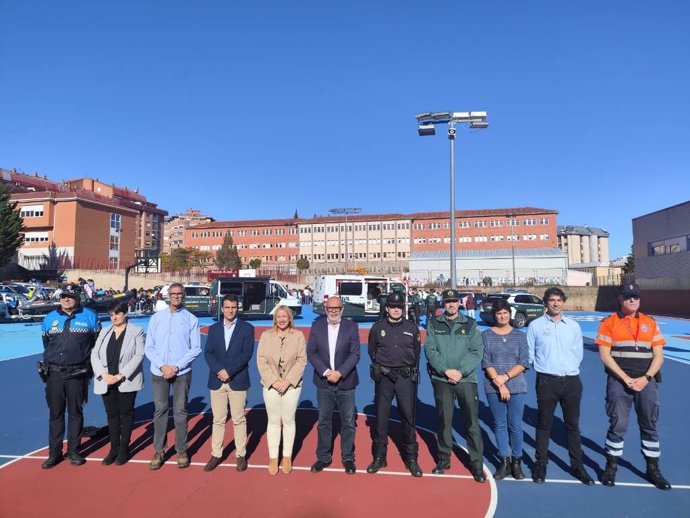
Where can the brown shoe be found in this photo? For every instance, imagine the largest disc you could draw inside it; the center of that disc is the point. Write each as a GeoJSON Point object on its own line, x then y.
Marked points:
{"type": "Point", "coordinates": [157, 461]}
{"type": "Point", "coordinates": [287, 465]}
{"type": "Point", "coordinates": [273, 466]}
{"type": "Point", "coordinates": [182, 460]}
{"type": "Point", "coordinates": [241, 464]}
{"type": "Point", "coordinates": [212, 464]}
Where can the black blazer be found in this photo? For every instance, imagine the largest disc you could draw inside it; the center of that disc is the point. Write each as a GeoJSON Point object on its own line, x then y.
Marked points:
{"type": "Point", "coordinates": [346, 352]}
{"type": "Point", "coordinates": [235, 360]}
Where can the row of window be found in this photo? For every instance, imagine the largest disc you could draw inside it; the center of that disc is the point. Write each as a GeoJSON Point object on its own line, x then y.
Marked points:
{"type": "Point", "coordinates": [480, 239]}
{"type": "Point", "coordinates": [360, 256]}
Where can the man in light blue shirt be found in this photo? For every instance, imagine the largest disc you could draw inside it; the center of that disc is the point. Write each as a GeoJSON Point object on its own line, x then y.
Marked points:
{"type": "Point", "coordinates": [172, 344]}
{"type": "Point", "coordinates": [555, 350]}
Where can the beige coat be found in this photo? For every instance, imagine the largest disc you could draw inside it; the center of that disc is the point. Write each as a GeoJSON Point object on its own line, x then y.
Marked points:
{"type": "Point", "coordinates": [294, 356]}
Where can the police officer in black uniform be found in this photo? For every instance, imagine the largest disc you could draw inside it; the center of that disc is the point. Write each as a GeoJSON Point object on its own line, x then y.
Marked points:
{"type": "Point", "coordinates": [69, 334]}
{"type": "Point", "coordinates": [394, 347]}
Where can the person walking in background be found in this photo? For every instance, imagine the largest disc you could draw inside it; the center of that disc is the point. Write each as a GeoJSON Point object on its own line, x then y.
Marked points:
{"type": "Point", "coordinates": [631, 349]}
{"type": "Point", "coordinates": [506, 357]}
{"type": "Point", "coordinates": [228, 351]}
{"type": "Point", "coordinates": [117, 361]}
{"type": "Point", "coordinates": [333, 351]}
{"type": "Point", "coordinates": [172, 344]}
{"type": "Point", "coordinates": [281, 358]}
{"type": "Point", "coordinates": [555, 350]}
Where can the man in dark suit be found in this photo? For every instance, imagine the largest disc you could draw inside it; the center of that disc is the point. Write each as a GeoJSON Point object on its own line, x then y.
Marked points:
{"type": "Point", "coordinates": [333, 351]}
{"type": "Point", "coordinates": [229, 349]}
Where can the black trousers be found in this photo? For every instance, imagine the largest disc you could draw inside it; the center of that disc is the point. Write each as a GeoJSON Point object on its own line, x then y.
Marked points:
{"type": "Point", "coordinates": [119, 407]}
{"type": "Point", "coordinates": [552, 390]}
{"type": "Point", "coordinates": [405, 392]}
{"type": "Point", "coordinates": [61, 394]}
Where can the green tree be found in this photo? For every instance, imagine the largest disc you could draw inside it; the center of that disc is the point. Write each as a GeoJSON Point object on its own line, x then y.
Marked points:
{"type": "Point", "coordinates": [302, 263]}
{"type": "Point", "coordinates": [629, 266]}
{"type": "Point", "coordinates": [227, 257]}
{"type": "Point", "coordinates": [11, 227]}
{"type": "Point", "coordinates": [296, 216]}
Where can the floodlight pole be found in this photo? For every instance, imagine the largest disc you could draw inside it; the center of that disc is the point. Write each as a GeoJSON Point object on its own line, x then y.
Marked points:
{"type": "Point", "coordinates": [511, 221]}
{"type": "Point", "coordinates": [451, 138]}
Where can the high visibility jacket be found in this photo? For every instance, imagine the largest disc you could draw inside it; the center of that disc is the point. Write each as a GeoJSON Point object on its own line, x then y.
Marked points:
{"type": "Point", "coordinates": [631, 340]}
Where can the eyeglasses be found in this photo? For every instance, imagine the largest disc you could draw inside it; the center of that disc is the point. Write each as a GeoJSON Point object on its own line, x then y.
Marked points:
{"type": "Point", "coordinates": [395, 306]}
{"type": "Point", "coordinates": [333, 309]}
{"type": "Point", "coordinates": [632, 297]}
{"type": "Point", "coordinates": [175, 294]}
{"type": "Point", "coordinates": [65, 296]}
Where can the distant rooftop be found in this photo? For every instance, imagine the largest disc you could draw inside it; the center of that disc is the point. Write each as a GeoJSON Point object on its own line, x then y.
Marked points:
{"type": "Point", "coordinates": [581, 230]}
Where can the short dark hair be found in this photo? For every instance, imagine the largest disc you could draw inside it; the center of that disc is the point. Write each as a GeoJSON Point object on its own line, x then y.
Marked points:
{"type": "Point", "coordinates": [230, 298]}
{"type": "Point", "coordinates": [119, 306]}
{"type": "Point", "coordinates": [554, 291]}
{"type": "Point", "coordinates": [499, 305]}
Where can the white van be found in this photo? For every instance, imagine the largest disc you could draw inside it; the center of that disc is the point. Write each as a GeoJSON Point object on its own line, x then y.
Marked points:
{"type": "Point", "coordinates": [359, 293]}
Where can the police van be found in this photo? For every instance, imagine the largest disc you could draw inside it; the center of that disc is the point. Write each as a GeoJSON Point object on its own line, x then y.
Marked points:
{"type": "Point", "coordinates": [257, 296]}
{"type": "Point", "coordinates": [361, 294]}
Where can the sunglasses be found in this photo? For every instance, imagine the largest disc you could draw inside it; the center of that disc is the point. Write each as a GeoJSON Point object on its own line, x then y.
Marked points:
{"type": "Point", "coordinates": [632, 297]}
{"type": "Point", "coordinates": [395, 306]}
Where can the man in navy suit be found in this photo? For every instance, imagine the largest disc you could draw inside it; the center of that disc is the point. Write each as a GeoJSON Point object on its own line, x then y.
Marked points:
{"type": "Point", "coordinates": [333, 351]}
{"type": "Point", "coordinates": [229, 349]}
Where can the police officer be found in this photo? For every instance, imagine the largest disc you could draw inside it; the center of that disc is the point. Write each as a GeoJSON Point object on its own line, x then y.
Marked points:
{"type": "Point", "coordinates": [394, 348]}
{"type": "Point", "coordinates": [69, 334]}
{"type": "Point", "coordinates": [431, 301]}
{"type": "Point", "coordinates": [631, 349]}
{"type": "Point", "coordinates": [414, 302]}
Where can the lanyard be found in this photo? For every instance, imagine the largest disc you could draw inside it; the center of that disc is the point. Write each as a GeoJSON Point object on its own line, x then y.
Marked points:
{"type": "Point", "coordinates": [626, 321]}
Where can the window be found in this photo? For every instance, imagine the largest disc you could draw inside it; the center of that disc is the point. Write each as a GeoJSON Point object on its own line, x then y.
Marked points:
{"type": "Point", "coordinates": [669, 246]}
{"type": "Point", "coordinates": [31, 211]}
{"type": "Point", "coordinates": [464, 224]}
{"type": "Point", "coordinates": [114, 243]}
{"type": "Point", "coordinates": [115, 222]}
{"type": "Point", "coordinates": [544, 221]}
{"type": "Point", "coordinates": [530, 222]}
{"type": "Point", "coordinates": [480, 224]}
{"type": "Point", "coordinates": [36, 237]}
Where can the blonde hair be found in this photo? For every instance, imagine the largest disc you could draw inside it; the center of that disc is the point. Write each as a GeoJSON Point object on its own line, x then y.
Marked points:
{"type": "Point", "coordinates": [288, 311]}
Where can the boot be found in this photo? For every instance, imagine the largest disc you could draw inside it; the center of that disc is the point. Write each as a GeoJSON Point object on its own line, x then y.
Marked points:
{"type": "Point", "coordinates": [654, 475]}
{"type": "Point", "coordinates": [608, 478]}
{"type": "Point", "coordinates": [516, 468]}
{"type": "Point", "coordinates": [503, 469]}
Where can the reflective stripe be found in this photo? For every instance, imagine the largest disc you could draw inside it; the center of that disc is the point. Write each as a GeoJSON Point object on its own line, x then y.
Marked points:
{"type": "Point", "coordinates": [631, 343]}
{"type": "Point", "coordinates": [652, 454]}
{"type": "Point", "coordinates": [617, 453]}
{"type": "Point", "coordinates": [626, 354]}
{"type": "Point", "coordinates": [650, 444]}
{"type": "Point", "coordinates": [604, 338]}
{"type": "Point", "coordinates": [617, 445]}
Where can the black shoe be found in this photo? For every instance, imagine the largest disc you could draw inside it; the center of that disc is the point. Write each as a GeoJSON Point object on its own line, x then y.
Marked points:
{"type": "Point", "coordinates": [75, 459]}
{"type": "Point", "coordinates": [241, 464]}
{"type": "Point", "coordinates": [441, 466]}
{"type": "Point", "coordinates": [478, 475]}
{"type": "Point", "coordinates": [212, 463]}
{"type": "Point", "coordinates": [608, 478]}
{"type": "Point", "coordinates": [503, 469]}
{"type": "Point", "coordinates": [377, 464]}
{"type": "Point", "coordinates": [110, 458]}
{"type": "Point", "coordinates": [539, 473]}
{"type": "Point", "coordinates": [350, 467]}
{"type": "Point", "coordinates": [122, 458]}
{"type": "Point", "coordinates": [413, 468]}
{"type": "Point", "coordinates": [52, 461]}
{"type": "Point", "coordinates": [319, 466]}
{"type": "Point", "coordinates": [580, 474]}
{"type": "Point", "coordinates": [516, 468]}
{"type": "Point", "coordinates": [654, 474]}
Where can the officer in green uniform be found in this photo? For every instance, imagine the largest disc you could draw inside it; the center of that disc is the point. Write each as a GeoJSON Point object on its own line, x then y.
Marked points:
{"type": "Point", "coordinates": [430, 306]}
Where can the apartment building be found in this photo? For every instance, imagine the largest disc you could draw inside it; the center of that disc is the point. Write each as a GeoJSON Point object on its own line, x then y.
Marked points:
{"type": "Point", "coordinates": [173, 228]}
{"type": "Point", "coordinates": [584, 246]}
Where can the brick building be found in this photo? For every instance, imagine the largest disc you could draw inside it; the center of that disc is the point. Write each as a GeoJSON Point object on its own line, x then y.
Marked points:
{"type": "Point", "coordinates": [173, 228]}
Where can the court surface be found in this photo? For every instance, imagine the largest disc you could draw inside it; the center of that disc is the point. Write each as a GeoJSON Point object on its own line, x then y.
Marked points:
{"type": "Point", "coordinates": [133, 490]}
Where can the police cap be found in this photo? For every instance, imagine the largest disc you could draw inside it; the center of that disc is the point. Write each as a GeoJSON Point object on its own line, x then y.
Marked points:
{"type": "Point", "coordinates": [395, 299]}
{"type": "Point", "coordinates": [450, 295]}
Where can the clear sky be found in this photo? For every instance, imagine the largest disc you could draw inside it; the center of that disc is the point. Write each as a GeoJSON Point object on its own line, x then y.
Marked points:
{"type": "Point", "coordinates": [248, 109]}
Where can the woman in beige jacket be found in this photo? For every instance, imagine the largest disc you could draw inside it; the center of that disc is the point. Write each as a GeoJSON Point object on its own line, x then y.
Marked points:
{"type": "Point", "coordinates": [281, 358]}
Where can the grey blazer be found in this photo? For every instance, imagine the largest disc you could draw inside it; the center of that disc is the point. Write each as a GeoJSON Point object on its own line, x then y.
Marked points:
{"type": "Point", "coordinates": [131, 359]}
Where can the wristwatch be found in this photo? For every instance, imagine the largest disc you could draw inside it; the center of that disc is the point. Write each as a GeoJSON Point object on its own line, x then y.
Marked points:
{"type": "Point", "coordinates": [649, 378]}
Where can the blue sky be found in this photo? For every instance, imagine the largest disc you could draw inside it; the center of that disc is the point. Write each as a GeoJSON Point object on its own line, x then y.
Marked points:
{"type": "Point", "coordinates": [254, 109]}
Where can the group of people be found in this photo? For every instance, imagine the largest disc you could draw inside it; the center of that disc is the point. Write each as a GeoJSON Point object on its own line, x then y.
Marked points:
{"type": "Point", "coordinates": [457, 354]}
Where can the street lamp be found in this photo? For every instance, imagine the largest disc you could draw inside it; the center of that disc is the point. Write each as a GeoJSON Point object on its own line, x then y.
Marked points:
{"type": "Point", "coordinates": [347, 211]}
{"type": "Point", "coordinates": [511, 222]}
{"type": "Point", "coordinates": [426, 126]}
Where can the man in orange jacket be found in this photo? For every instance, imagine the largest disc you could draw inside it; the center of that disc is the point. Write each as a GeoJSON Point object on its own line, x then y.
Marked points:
{"type": "Point", "coordinates": [631, 348]}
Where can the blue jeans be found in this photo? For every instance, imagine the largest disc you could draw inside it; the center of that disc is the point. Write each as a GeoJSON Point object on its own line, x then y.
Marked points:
{"type": "Point", "coordinates": [326, 399]}
{"type": "Point", "coordinates": [507, 423]}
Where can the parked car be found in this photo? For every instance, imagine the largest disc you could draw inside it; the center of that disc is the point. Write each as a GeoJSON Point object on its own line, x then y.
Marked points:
{"type": "Point", "coordinates": [524, 307]}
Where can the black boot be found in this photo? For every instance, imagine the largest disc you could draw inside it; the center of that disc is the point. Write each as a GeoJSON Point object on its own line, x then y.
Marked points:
{"type": "Point", "coordinates": [608, 478]}
{"type": "Point", "coordinates": [654, 475]}
{"type": "Point", "coordinates": [503, 469]}
{"type": "Point", "coordinates": [516, 468]}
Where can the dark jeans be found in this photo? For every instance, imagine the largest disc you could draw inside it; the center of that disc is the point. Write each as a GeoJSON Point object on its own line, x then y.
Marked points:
{"type": "Point", "coordinates": [119, 407]}
{"type": "Point", "coordinates": [405, 392]}
{"type": "Point", "coordinates": [466, 394]}
{"type": "Point", "coordinates": [552, 390]}
{"type": "Point", "coordinates": [161, 393]}
{"type": "Point", "coordinates": [619, 401]}
{"type": "Point", "coordinates": [326, 399]}
{"type": "Point", "coordinates": [64, 394]}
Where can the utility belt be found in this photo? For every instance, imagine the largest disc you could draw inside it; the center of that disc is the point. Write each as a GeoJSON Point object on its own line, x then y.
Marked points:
{"type": "Point", "coordinates": [378, 371]}
{"type": "Point", "coordinates": [68, 371]}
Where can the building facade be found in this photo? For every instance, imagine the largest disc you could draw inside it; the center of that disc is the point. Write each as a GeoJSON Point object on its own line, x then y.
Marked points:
{"type": "Point", "coordinates": [584, 246]}
{"type": "Point", "coordinates": [173, 228]}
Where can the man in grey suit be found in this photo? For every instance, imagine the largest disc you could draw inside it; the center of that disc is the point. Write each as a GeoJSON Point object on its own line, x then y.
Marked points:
{"type": "Point", "coordinates": [333, 351]}
{"type": "Point", "coordinates": [228, 350]}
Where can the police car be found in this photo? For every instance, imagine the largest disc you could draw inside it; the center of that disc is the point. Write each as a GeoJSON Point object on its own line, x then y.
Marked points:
{"type": "Point", "coordinates": [524, 307]}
